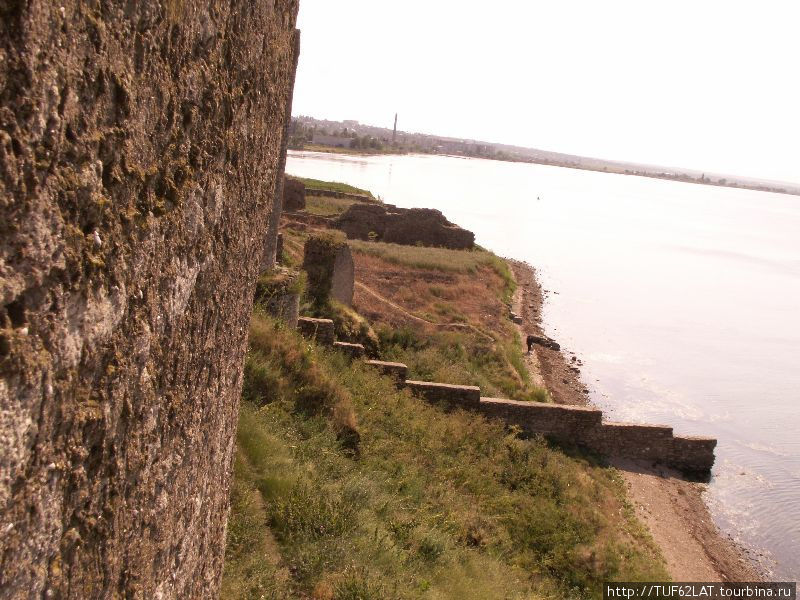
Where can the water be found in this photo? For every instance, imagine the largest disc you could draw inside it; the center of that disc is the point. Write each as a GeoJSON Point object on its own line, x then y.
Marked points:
{"type": "Point", "coordinates": [682, 300]}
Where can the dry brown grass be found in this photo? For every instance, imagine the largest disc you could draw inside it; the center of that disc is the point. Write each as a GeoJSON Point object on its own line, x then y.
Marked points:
{"type": "Point", "coordinates": [437, 296]}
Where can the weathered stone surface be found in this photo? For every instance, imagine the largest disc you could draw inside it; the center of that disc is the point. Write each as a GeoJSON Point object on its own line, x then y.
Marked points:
{"type": "Point", "coordinates": [395, 369]}
{"type": "Point", "coordinates": [584, 426]}
{"type": "Point", "coordinates": [279, 249]}
{"type": "Point", "coordinates": [408, 226]}
{"type": "Point", "coordinates": [463, 396]}
{"type": "Point", "coordinates": [344, 273]}
{"type": "Point", "coordinates": [354, 350]}
{"type": "Point", "coordinates": [329, 264]}
{"type": "Point", "coordinates": [270, 256]}
{"type": "Point", "coordinates": [320, 330]}
{"type": "Point", "coordinates": [279, 293]}
{"type": "Point", "coordinates": [139, 147]}
{"type": "Point", "coordinates": [294, 194]}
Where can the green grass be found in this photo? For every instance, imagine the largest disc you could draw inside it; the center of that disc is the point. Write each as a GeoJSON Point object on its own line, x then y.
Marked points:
{"type": "Point", "coordinates": [326, 206]}
{"type": "Point", "coordinates": [463, 358]}
{"type": "Point", "coordinates": [426, 504]}
{"type": "Point", "coordinates": [318, 184]}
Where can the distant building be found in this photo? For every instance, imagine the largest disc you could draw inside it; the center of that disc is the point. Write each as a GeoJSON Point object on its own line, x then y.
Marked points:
{"type": "Point", "coordinates": [332, 140]}
{"type": "Point", "coordinates": [350, 123]}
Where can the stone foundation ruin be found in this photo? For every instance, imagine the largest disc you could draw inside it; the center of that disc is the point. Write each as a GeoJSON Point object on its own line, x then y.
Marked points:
{"type": "Point", "coordinates": [331, 271]}
{"type": "Point", "coordinates": [294, 194]}
{"type": "Point", "coordinates": [407, 226]}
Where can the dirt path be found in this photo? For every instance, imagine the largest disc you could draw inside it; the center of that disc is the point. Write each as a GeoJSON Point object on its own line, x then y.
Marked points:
{"type": "Point", "coordinates": [671, 507]}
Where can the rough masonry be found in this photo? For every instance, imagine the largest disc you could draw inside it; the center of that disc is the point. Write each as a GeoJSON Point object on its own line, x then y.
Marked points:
{"type": "Point", "coordinates": [579, 425]}
{"type": "Point", "coordinates": [331, 271]}
{"type": "Point", "coordinates": [140, 145]}
{"type": "Point", "coordinates": [407, 226]}
{"type": "Point", "coordinates": [294, 194]}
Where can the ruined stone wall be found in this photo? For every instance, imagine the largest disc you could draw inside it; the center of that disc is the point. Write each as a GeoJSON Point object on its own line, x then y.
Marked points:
{"type": "Point", "coordinates": [344, 276]}
{"type": "Point", "coordinates": [407, 226]}
{"type": "Point", "coordinates": [581, 425]}
{"type": "Point", "coordinates": [139, 148]}
{"type": "Point", "coordinates": [294, 194]}
{"type": "Point", "coordinates": [320, 330]}
{"type": "Point", "coordinates": [329, 264]}
{"type": "Point", "coordinates": [584, 426]}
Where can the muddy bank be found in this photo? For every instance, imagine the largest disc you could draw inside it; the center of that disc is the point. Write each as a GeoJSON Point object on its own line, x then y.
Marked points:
{"type": "Point", "coordinates": [672, 508]}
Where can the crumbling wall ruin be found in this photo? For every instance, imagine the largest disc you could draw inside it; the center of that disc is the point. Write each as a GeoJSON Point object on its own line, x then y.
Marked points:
{"type": "Point", "coordinates": [140, 145]}
{"type": "Point", "coordinates": [331, 272]}
{"type": "Point", "coordinates": [406, 226]}
{"type": "Point", "coordinates": [294, 194]}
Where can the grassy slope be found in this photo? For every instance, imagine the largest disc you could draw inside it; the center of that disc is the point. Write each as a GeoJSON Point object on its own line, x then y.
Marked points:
{"type": "Point", "coordinates": [347, 488]}
{"type": "Point", "coordinates": [316, 184]}
{"type": "Point", "coordinates": [432, 504]}
{"type": "Point", "coordinates": [326, 206]}
{"type": "Point", "coordinates": [477, 287]}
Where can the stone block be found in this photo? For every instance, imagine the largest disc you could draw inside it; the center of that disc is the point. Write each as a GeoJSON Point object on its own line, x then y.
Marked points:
{"type": "Point", "coordinates": [279, 293]}
{"type": "Point", "coordinates": [320, 330]}
{"type": "Point", "coordinates": [344, 273]}
{"type": "Point", "coordinates": [354, 350]}
{"type": "Point", "coordinates": [562, 422]}
{"type": "Point", "coordinates": [395, 369]}
{"type": "Point", "coordinates": [294, 194]}
{"type": "Point", "coordinates": [329, 264]}
{"type": "Point", "coordinates": [692, 454]}
{"type": "Point", "coordinates": [407, 226]}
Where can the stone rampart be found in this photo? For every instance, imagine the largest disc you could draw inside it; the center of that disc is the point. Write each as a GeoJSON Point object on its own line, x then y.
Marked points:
{"type": "Point", "coordinates": [320, 330]}
{"type": "Point", "coordinates": [581, 425]}
{"type": "Point", "coordinates": [140, 145]}
{"type": "Point", "coordinates": [317, 221]}
{"type": "Point", "coordinates": [407, 226]}
{"type": "Point", "coordinates": [294, 194]}
{"type": "Point", "coordinates": [354, 350]}
{"type": "Point", "coordinates": [565, 423]}
{"type": "Point", "coordinates": [584, 426]}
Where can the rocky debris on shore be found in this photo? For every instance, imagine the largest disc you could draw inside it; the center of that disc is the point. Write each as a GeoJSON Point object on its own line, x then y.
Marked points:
{"type": "Point", "coordinates": [544, 341]}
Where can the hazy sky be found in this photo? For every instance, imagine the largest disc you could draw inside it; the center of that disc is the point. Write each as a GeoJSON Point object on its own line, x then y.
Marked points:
{"type": "Point", "coordinates": [705, 84]}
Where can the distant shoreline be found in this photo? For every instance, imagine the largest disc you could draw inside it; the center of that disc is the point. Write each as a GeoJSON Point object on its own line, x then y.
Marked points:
{"type": "Point", "coordinates": [609, 167]}
{"type": "Point", "coordinates": [740, 184]}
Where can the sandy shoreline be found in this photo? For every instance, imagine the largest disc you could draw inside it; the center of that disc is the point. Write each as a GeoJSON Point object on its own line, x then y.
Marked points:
{"type": "Point", "coordinates": [672, 507]}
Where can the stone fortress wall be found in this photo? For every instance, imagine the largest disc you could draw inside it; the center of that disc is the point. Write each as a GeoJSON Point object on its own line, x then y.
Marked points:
{"type": "Point", "coordinates": [579, 425]}
{"type": "Point", "coordinates": [140, 145]}
{"type": "Point", "coordinates": [407, 226]}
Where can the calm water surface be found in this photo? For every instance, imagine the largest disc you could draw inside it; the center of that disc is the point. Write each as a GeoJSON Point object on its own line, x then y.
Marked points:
{"type": "Point", "coordinates": [682, 300]}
